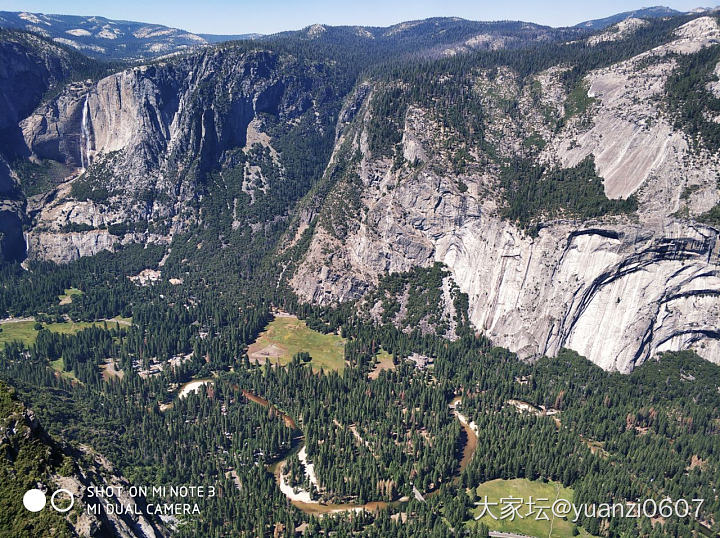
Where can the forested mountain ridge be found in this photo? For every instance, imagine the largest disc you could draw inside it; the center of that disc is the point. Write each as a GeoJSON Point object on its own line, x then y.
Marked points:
{"type": "Point", "coordinates": [103, 38]}
{"type": "Point", "coordinates": [437, 36]}
{"type": "Point", "coordinates": [644, 13]}
{"type": "Point", "coordinates": [32, 459]}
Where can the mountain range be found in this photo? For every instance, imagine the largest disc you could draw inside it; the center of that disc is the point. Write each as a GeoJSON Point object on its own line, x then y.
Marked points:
{"type": "Point", "coordinates": [99, 37]}
{"type": "Point", "coordinates": [103, 38]}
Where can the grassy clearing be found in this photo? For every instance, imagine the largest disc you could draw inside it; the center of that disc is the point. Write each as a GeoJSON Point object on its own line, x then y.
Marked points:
{"type": "Point", "coordinates": [59, 366]}
{"type": "Point", "coordinates": [70, 327]}
{"type": "Point", "coordinates": [18, 330]}
{"type": "Point", "coordinates": [542, 493]}
{"type": "Point", "coordinates": [384, 362]}
{"type": "Point", "coordinates": [67, 297]}
{"type": "Point", "coordinates": [26, 333]}
{"type": "Point", "coordinates": [286, 336]}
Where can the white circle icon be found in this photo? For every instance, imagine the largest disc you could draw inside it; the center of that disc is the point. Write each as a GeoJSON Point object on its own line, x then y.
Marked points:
{"type": "Point", "coordinates": [67, 508]}
{"type": "Point", "coordinates": [34, 500]}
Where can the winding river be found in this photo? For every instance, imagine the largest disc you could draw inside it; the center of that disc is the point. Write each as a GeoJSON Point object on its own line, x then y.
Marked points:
{"type": "Point", "coordinates": [318, 508]}
{"type": "Point", "coordinates": [471, 433]}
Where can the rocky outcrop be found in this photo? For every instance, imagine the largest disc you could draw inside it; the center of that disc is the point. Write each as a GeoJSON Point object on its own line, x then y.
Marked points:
{"type": "Point", "coordinates": [22, 438]}
{"type": "Point", "coordinates": [617, 32]}
{"type": "Point", "coordinates": [635, 147]}
{"type": "Point", "coordinates": [616, 294]}
{"type": "Point", "coordinates": [53, 131]}
{"type": "Point", "coordinates": [120, 514]}
{"type": "Point", "coordinates": [30, 67]}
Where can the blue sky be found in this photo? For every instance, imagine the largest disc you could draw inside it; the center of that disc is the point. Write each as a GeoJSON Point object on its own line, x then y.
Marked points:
{"type": "Point", "coordinates": [267, 16]}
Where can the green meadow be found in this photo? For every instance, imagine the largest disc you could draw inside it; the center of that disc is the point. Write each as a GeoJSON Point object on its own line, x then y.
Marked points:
{"type": "Point", "coordinates": [67, 297]}
{"type": "Point", "coordinates": [26, 333]}
{"type": "Point", "coordinates": [528, 525]}
{"type": "Point", "coordinates": [286, 335]}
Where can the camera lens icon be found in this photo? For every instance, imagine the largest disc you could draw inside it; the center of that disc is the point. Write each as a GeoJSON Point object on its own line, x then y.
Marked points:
{"type": "Point", "coordinates": [62, 509]}
{"type": "Point", "coordinates": [35, 500]}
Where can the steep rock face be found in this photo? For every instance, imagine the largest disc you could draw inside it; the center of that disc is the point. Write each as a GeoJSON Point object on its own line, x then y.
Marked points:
{"type": "Point", "coordinates": [53, 131]}
{"type": "Point", "coordinates": [29, 67]}
{"type": "Point", "coordinates": [617, 289]}
{"type": "Point", "coordinates": [97, 472]}
{"type": "Point", "coordinates": [616, 293]}
{"type": "Point", "coordinates": [12, 241]}
{"type": "Point", "coordinates": [142, 141]}
{"type": "Point", "coordinates": [635, 147]}
{"type": "Point", "coordinates": [12, 211]}
{"type": "Point", "coordinates": [128, 112]}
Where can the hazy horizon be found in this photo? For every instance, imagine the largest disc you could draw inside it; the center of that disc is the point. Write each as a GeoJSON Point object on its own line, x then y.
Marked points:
{"type": "Point", "coordinates": [253, 16]}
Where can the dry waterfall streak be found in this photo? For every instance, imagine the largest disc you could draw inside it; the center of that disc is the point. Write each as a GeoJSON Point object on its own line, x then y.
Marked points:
{"type": "Point", "coordinates": [85, 142]}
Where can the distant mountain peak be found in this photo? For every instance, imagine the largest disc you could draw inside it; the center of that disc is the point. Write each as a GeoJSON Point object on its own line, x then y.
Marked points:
{"type": "Point", "coordinates": [109, 39]}
{"type": "Point", "coordinates": [644, 13]}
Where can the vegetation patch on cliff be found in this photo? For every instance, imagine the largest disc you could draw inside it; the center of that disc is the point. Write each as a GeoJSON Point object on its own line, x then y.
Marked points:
{"type": "Point", "coordinates": [424, 299]}
{"type": "Point", "coordinates": [41, 177]}
{"type": "Point", "coordinates": [578, 102]}
{"type": "Point", "coordinates": [535, 192]}
{"type": "Point", "coordinates": [712, 217]}
{"type": "Point", "coordinates": [692, 105]}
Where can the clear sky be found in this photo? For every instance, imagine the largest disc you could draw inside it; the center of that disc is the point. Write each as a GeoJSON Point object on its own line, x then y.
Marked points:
{"type": "Point", "coordinates": [268, 16]}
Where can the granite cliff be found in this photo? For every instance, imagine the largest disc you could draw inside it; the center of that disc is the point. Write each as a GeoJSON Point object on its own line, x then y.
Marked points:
{"type": "Point", "coordinates": [617, 289]}
{"type": "Point", "coordinates": [139, 144]}
{"type": "Point", "coordinates": [30, 68]}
